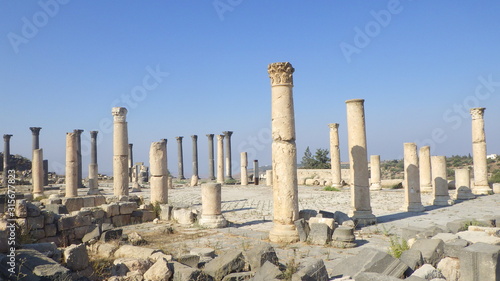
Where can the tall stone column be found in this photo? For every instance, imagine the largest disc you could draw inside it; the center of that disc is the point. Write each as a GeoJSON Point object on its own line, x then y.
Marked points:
{"type": "Point", "coordinates": [37, 173]}
{"type": "Point", "coordinates": [360, 191]}
{"type": "Point", "coordinates": [284, 154]}
{"type": "Point", "coordinates": [211, 160]}
{"type": "Point", "coordinates": [35, 132]}
{"type": "Point", "coordinates": [211, 214]}
{"type": "Point", "coordinates": [244, 171]}
{"type": "Point", "coordinates": [220, 159]}
{"type": "Point", "coordinates": [229, 165]}
{"type": "Point", "coordinates": [45, 172]}
{"type": "Point", "coordinates": [413, 201]}
{"type": "Point", "coordinates": [335, 155]}
{"type": "Point", "coordinates": [195, 155]}
{"type": "Point", "coordinates": [71, 165]}
{"type": "Point", "coordinates": [462, 184]}
{"type": "Point", "coordinates": [376, 183]}
{"type": "Point", "coordinates": [93, 168]}
{"type": "Point", "coordinates": [130, 160]}
{"type": "Point", "coordinates": [424, 163]}
{"type": "Point", "coordinates": [78, 134]}
{"type": "Point", "coordinates": [120, 151]}
{"type": "Point", "coordinates": [159, 172]}
{"type": "Point", "coordinates": [481, 185]}
{"type": "Point", "coordinates": [440, 181]}
{"type": "Point", "coordinates": [180, 157]}
{"type": "Point", "coordinates": [6, 159]}
{"type": "Point", "coordinates": [256, 176]}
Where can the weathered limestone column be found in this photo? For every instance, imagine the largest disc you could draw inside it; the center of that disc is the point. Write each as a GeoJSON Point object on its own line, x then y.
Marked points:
{"type": "Point", "coordinates": [71, 165]}
{"type": "Point", "coordinates": [195, 177]}
{"type": "Point", "coordinates": [220, 159]}
{"type": "Point", "coordinates": [256, 172]}
{"type": "Point", "coordinates": [269, 177]}
{"type": "Point", "coordinates": [120, 151]}
{"type": "Point", "coordinates": [45, 172]}
{"type": "Point", "coordinates": [159, 172]}
{"type": "Point", "coordinates": [413, 201]}
{"type": "Point", "coordinates": [130, 160]}
{"type": "Point", "coordinates": [376, 183]}
{"type": "Point", "coordinates": [211, 164]}
{"type": "Point", "coordinates": [481, 185]}
{"type": "Point", "coordinates": [462, 184]}
{"type": "Point", "coordinates": [37, 173]}
{"type": "Point", "coordinates": [229, 165]}
{"type": "Point", "coordinates": [180, 157]}
{"type": "Point", "coordinates": [440, 181]}
{"type": "Point", "coordinates": [284, 154]}
{"type": "Point", "coordinates": [6, 159]}
{"type": "Point", "coordinates": [93, 168]}
{"type": "Point", "coordinates": [360, 191]}
{"type": "Point", "coordinates": [35, 141]}
{"type": "Point", "coordinates": [211, 214]}
{"type": "Point", "coordinates": [424, 163]}
{"type": "Point", "coordinates": [78, 134]}
{"type": "Point", "coordinates": [335, 155]}
{"type": "Point", "coordinates": [244, 171]}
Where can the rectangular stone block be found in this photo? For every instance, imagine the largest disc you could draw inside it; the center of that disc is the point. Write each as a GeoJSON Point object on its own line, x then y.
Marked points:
{"type": "Point", "coordinates": [58, 209]}
{"type": "Point", "coordinates": [80, 231]}
{"type": "Point", "coordinates": [126, 208]}
{"type": "Point", "coordinates": [315, 270]}
{"type": "Point", "coordinates": [453, 248]}
{"type": "Point", "coordinates": [148, 216]}
{"type": "Point", "coordinates": [35, 222]}
{"type": "Point", "coordinates": [330, 222]}
{"type": "Point", "coordinates": [432, 250]}
{"type": "Point", "coordinates": [37, 234]}
{"type": "Point", "coordinates": [111, 210]}
{"type": "Point", "coordinates": [50, 230]}
{"type": "Point", "coordinates": [121, 220]}
{"type": "Point", "coordinates": [99, 200]}
{"type": "Point", "coordinates": [303, 229]}
{"type": "Point", "coordinates": [480, 262]}
{"type": "Point", "coordinates": [320, 233]}
{"type": "Point", "coordinates": [88, 201]}
{"type": "Point", "coordinates": [222, 265]}
{"type": "Point", "coordinates": [66, 222]}
{"type": "Point", "coordinates": [49, 217]}
{"type": "Point", "coordinates": [165, 212]}
{"type": "Point", "coordinates": [73, 204]}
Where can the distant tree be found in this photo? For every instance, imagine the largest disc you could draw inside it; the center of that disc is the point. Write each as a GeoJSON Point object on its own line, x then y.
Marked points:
{"type": "Point", "coordinates": [320, 160]}
{"type": "Point", "coordinates": [17, 162]}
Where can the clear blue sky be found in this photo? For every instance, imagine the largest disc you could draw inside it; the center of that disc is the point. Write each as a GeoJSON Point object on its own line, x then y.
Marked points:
{"type": "Point", "coordinates": [417, 64]}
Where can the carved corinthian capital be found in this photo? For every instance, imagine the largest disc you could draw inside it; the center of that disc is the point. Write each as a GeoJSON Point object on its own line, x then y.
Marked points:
{"type": "Point", "coordinates": [477, 113]}
{"type": "Point", "coordinates": [281, 73]}
{"type": "Point", "coordinates": [119, 114]}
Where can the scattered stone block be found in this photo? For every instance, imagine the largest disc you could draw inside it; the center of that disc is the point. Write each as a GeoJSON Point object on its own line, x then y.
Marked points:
{"type": "Point", "coordinates": [32, 209]}
{"type": "Point", "coordinates": [50, 230]}
{"type": "Point", "coordinates": [261, 254]}
{"type": "Point", "coordinates": [58, 209]}
{"type": "Point", "coordinates": [330, 222]}
{"type": "Point", "coordinates": [432, 231]}
{"type": "Point", "coordinates": [373, 276]}
{"type": "Point", "coordinates": [478, 236]}
{"type": "Point", "coordinates": [73, 203]}
{"type": "Point", "coordinates": [315, 270]}
{"type": "Point", "coordinates": [411, 232]}
{"type": "Point", "coordinates": [48, 249]}
{"type": "Point", "coordinates": [319, 234]}
{"type": "Point", "coordinates": [306, 214]}
{"type": "Point", "coordinates": [121, 220]}
{"type": "Point", "coordinates": [222, 265]}
{"type": "Point", "coordinates": [183, 215]}
{"type": "Point", "coordinates": [92, 235]}
{"type": "Point", "coordinates": [76, 257]}
{"type": "Point", "coordinates": [326, 214]}
{"type": "Point", "coordinates": [124, 265]}
{"type": "Point", "coordinates": [427, 272]}
{"type": "Point", "coordinates": [413, 259]}
{"type": "Point", "coordinates": [239, 276]}
{"type": "Point", "coordinates": [343, 219]}
{"type": "Point", "coordinates": [343, 236]}
{"type": "Point", "coordinates": [189, 260]}
{"type": "Point", "coordinates": [432, 249]}
{"type": "Point", "coordinates": [112, 209]}
{"type": "Point", "coordinates": [446, 237]}
{"type": "Point", "coordinates": [126, 208]}
{"type": "Point", "coordinates": [183, 272]}
{"type": "Point", "coordinates": [450, 268]}
{"type": "Point", "coordinates": [21, 208]}
{"type": "Point", "coordinates": [135, 239]}
{"type": "Point", "coordinates": [480, 261]}
{"type": "Point", "coordinates": [129, 251]}
{"type": "Point", "coordinates": [112, 234]}
{"type": "Point", "coordinates": [268, 271]}
{"type": "Point", "coordinates": [302, 228]}
{"type": "Point", "coordinates": [203, 252]}
{"type": "Point", "coordinates": [453, 248]}
{"type": "Point", "coordinates": [165, 212]}
{"type": "Point", "coordinates": [159, 271]}
{"type": "Point", "coordinates": [37, 266]}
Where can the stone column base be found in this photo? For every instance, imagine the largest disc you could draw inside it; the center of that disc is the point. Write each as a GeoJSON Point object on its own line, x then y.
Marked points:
{"type": "Point", "coordinates": [363, 218]}
{"type": "Point", "coordinates": [375, 186]}
{"type": "Point", "coordinates": [482, 190]}
{"type": "Point", "coordinates": [413, 207]}
{"type": "Point", "coordinates": [38, 194]}
{"type": "Point", "coordinates": [442, 201]}
{"type": "Point", "coordinates": [426, 189]}
{"type": "Point", "coordinates": [282, 233]}
{"type": "Point", "coordinates": [136, 187]}
{"type": "Point", "coordinates": [213, 221]}
{"type": "Point", "coordinates": [94, 191]}
{"type": "Point", "coordinates": [464, 194]}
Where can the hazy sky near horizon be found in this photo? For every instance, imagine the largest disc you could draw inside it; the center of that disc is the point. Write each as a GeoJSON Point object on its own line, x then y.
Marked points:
{"type": "Point", "coordinates": [187, 68]}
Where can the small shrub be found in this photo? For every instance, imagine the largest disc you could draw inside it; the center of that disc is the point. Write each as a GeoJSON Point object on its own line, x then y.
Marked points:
{"type": "Point", "coordinates": [398, 246]}
{"type": "Point", "coordinates": [495, 178]}
{"type": "Point", "coordinates": [397, 186]}
{"type": "Point", "coordinates": [101, 267]}
{"type": "Point", "coordinates": [156, 209]}
{"type": "Point", "coordinates": [330, 188]}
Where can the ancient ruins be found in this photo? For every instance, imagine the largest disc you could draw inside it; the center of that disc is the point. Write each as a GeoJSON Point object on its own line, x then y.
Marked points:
{"type": "Point", "coordinates": [282, 223]}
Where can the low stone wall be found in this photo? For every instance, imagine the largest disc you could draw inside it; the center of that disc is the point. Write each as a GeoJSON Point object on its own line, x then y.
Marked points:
{"type": "Point", "coordinates": [319, 176]}
{"type": "Point", "coordinates": [65, 221]}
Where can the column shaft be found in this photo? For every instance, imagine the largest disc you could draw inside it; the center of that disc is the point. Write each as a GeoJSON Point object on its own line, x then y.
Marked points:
{"type": "Point", "coordinates": [6, 159]}
{"type": "Point", "coordinates": [180, 157]}
{"type": "Point", "coordinates": [220, 159]}
{"type": "Point", "coordinates": [360, 191]}
{"type": "Point", "coordinates": [211, 164]}
{"type": "Point", "coordinates": [79, 156]}
{"type": "Point", "coordinates": [93, 168]}
{"type": "Point", "coordinates": [120, 152]}
{"type": "Point", "coordinates": [335, 155]}
{"type": "Point", "coordinates": [195, 155]}
{"type": "Point", "coordinates": [462, 184]}
{"type": "Point", "coordinates": [440, 181]}
{"type": "Point", "coordinates": [376, 183]}
{"type": "Point", "coordinates": [413, 202]}
{"type": "Point", "coordinates": [37, 173]}
{"type": "Point", "coordinates": [71, 165]}
{"type": "Point", "coordinates": [244, 171]}
{"type": "Point", "coordinates": [424, 164]}
{"type": "Point", "coordinates": [159, 172]}
{"type": "Point", "coordinates": [481, 185]}
{"type": "Point", "coordinates": [229, 173]}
